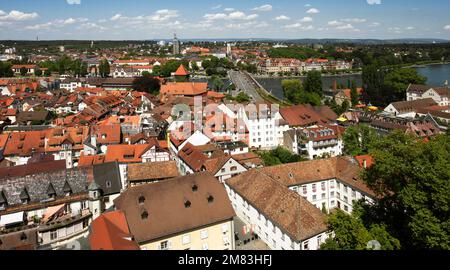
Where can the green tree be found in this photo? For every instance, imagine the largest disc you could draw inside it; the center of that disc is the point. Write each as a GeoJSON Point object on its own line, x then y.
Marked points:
{"type": "Point", "coordinates": [156, 70]}
{"type": "Point", "coordinates": [38, 73]}
{"type": "Point", "coordinates": [47, 73]}
{"type": "Point", "coordinates": [373, 81]}
{"type": "Point", "coordinates": [412, 179]}
{"type": "Point", "coordinates": [147, 84]}
{"type": "Point", "coordinates": [313, 82]}
{"type": "Point", "coordinates": [217, 83]}
{"type": "Point", "coordinates": [194, 66]}
{"type": "Point", "coordinates": [242, 97]}
{"type": "Point", "coordinates": [352, 234]}
{"type": "Point", "coordinates": [104, 68]}
{"type": "Point", "coordinates": [23, 71]}
{"type": "Point", "coordinates": [358, 140]}
{"type": "Point", "coordinates": [292, 90]}
{"type": "Point", "coordinates": [397, 81]}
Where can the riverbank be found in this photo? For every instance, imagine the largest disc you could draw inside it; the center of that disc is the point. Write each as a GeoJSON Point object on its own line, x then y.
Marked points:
{"type": "Point", "coordinates": [304, 76]}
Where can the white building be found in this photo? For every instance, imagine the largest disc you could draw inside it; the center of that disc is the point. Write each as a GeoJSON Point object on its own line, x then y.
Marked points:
{"type": "Point", "coordinates": [272, 199]}
{"type": "Point", "coordinates": [440, 95]}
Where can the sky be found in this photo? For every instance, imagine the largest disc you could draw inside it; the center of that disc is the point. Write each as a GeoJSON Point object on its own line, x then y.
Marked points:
{"type": "Point", "coordinates": [156, 19]}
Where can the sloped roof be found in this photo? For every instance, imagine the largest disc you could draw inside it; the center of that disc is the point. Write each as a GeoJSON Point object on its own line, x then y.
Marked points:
{"type": "Point", "coordinates": [110, 232]}
{"type": "Point", "coordinates": [181, 71]}
{"type": "Point", "coordinates": [152, 171]}
{"type": "Point", "coordinates": [174, 217]}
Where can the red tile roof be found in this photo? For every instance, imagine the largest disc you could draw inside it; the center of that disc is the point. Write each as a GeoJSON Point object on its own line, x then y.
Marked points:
{"type": "Point", "coordinates": [110, 232]}
{"type": "Point", "coordinates": [181, 71]}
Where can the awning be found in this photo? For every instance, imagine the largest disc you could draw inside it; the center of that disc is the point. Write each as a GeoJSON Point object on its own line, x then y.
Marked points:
{"type": "Point", "coordinates": [373, 108]}
{"type": "Point", "coordinates": [51, 211]}
{"type": "Point", "coordinates": [11, 218]}
{"type": "Point", "coordinates": [342, 119]}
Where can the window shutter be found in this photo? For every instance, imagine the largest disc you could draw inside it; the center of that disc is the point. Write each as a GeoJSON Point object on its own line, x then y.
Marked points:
{"type": "Point", "coordinates": [169, 244]}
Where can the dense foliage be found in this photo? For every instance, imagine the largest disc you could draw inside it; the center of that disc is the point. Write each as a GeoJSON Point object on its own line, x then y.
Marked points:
{"type": "Point", "coordinates": [412, 180]}
{"type": "Point", "coordinates": [279, 156]}
{"type": "Point", "coordinates": [297, 93]}
{"type": "Point", "coordinates": [147, 83]}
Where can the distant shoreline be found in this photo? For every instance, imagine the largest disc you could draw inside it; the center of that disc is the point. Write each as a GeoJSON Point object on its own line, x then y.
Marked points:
{"type": "Point", "coordinates": [427, 65]}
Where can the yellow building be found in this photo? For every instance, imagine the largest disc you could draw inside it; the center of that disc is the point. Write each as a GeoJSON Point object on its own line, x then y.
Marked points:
{"type": "Point", "coordinates": [188, 212]}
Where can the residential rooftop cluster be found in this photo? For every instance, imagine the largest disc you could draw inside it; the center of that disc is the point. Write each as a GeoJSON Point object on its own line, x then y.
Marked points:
{"type": "Point", "coordinates": [179, 163]}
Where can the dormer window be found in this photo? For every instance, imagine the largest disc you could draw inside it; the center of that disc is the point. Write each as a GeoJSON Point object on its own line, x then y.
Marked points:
{"type": "Point", "coordinates": [210, 199]}
{"type": "Point", "coordinates": [24, 196]}
{"type": "Point", "coordinates": [51, 192]}
{"type": "Point", "coordinates": [144, 215]}
{"type": "Point", "coordinates": [23, 237]}
{"type": "Point", "coordinates": [67, 189]}
{"type": "Point", "coordinates": [187, 204]}
{"type": "Point", "coordinates": [141, 200]}
{"type": "Point", "coordinates": [194, 188]}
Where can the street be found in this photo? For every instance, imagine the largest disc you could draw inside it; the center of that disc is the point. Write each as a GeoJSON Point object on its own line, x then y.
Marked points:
{"type": "Point", "coordinates": [243, 83]}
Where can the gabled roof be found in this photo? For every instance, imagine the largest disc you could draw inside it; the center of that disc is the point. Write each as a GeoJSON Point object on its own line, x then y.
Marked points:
{"type": "Point", "coordinates": [181, 71]}
{"type": "Point", "coordinates": [413, 105]}
{"type": "Point", "coordinates": [293, 214]}
{"type": "Point", "coordinates": [304, 115]}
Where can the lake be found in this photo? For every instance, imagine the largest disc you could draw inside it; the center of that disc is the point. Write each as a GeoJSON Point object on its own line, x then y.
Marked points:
{"type": "Point", "coordinates": [436, 74]}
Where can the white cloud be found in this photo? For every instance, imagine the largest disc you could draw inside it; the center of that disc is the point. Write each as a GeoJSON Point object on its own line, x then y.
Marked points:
{"type": "Point", "coordinates": [307, 5]}
{"type": "Point", "coordinates": [40, 26]}
{"type": "Point", "coordinates": [282, 18]}
{"type": "Point", "coordinates": [447, 27]}
{"type": "Point", "coordinates": [298, 26]}
{"type": "Point", "coordinates": [229, 9]}
{"type": "Point", "coordinates": [263, 8]}
{"type": "Point", "coordinates": [236, 15]}
{"type": "Point", "coordinates": [164, 15]}
{"type": "Point", "coordinates": [73, 2]}
{"type": "Point", "coordinates": [374, 2]}
{"type": "Point", "coordinates": [374, 24]}
{"type": "Point", "coordinates": [354, 20]}
{"type": "Point", "coordinates": [306, 19]}
{"type": "Point", "coordinates": [312, 11]}
{"type": "Point", "coordinates": [335, 23]}
{"type": "Point", "coordinates": [216, 7]}
{"type": "Point", "coordinates": [345, 27]}
{"type": "Point", "coordinates": [15, 15]}
{"type": "Point", "coordinates": [410, 28]}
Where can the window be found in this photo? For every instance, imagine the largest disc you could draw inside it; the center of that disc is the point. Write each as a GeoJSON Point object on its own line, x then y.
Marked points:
{"type": "Point", "coordinates": [305, 190]}
{"type": "Point", "coordinates": [314, 197]}
{"type": "Point", "coordinates": [319, 240]}
{"type": "Point", "coordinates": [332, 194]}
{"type": "Point", "coordinates": [186, 239]}
{"type": "Point", "coordinates": [332, 203]}
{"type": "Point", "coordinates": [346, 208]}
{"type": "Point", "coordinates": [164, 245]}
{"type": "Point", "coordinates": [346, 199]}
{"type": "Point", "coordinates": [323, 185]}
{"type": "Point", "coordinates": [324, 196]}
{"type": "Point", "coordinates": [203, 234]}
{"type": "Point", "coordinates": [314, 187]}
{"type": "Point", "coordinates": [332, 184]}
{"type": "Point", "coordinates": [354, 193]}
{"type": "Point", "coordinates": [141, 200]}
{"type": "Point", "coordinates": [108, 184]}
{"type": "Point", "coordinates": [234, 168]}
{"type": "Point", "coordinates": [338, 195]}
{"type": "Point", "coordinates": [53, 235]}
{"type": "Point", "coordinates": [306, 245]}
{"type": "Point", "coordinates": [345, 189]}
{"type": "Point", "coordinates": [187, 204]}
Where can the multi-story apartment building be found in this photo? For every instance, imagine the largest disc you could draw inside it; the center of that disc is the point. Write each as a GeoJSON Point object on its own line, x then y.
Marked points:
{"type": "Point", "coordinates": [283, 203]}
{"type": "Point", "coordinates": [197, 214]}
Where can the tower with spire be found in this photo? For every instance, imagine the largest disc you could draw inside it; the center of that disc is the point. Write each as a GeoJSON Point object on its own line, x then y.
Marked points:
{"type": "Point", "coordinates": [176, 45]}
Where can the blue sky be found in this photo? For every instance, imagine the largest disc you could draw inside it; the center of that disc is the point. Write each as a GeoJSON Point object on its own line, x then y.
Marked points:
{"type": "Point", "coordinates": [155, 19]}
